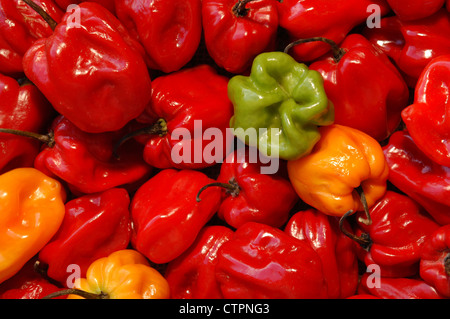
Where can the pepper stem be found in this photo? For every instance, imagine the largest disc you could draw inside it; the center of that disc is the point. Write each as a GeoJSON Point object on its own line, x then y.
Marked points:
{"type": "Point", "coordinates": [48, 139]}
{"type": "Point", "coordinates": [364, 240]}
{"type": "Point", "coordinates": [447, 264]}
{"type": "Point", "coordinates": [78, 292]}
{"type": "Point", "coordinates": [231, 187]}
{"type": "Point", "coordinates": [158, 128]}
{"type": "Point", "coordinates": [239, 9]}
{"type": "Point", "coordinates": [50, 21]}
{"type": "Point", "coordinates": [338, 52]}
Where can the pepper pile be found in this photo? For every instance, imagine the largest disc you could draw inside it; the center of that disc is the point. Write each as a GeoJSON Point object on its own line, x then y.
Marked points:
{"type": "Point", "coordinates": [136, 138]}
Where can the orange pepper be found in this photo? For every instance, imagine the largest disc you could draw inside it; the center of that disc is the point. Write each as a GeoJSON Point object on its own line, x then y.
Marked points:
{"type": "Point", "coordinates": [124, 274]}
{"type": "Point", "coordinates": [32, 209]}
{"type": "Point", "coordinates": [343, 162]}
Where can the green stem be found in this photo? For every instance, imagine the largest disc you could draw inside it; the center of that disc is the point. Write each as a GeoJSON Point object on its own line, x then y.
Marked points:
{"type": "Point", "coordinates": [78, 292]}
{"type": "Point", "coordinates": [51, 22]}
{"type": "Point", "coordinates": [338, 53]}
{"type": "Point", "coordinates": [48, 139]}
{"type": "Point", "coordinates": [231, 187]}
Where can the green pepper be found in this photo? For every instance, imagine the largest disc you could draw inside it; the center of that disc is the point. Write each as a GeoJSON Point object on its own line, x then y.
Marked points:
{"type": "Point", "coordinates": [280, 93]}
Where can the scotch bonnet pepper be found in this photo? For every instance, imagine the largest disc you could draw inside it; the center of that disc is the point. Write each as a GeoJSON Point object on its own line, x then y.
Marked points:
{"type": "Point", "coordinates": [425, 119]}
{"type": "Point", "coordinates": [94, 226]}
{"type": "Point", "coordinates": [92, 72]}
{"type": "Point", "coordinates": [124, 274]}
{"type": "Point", "coordinates": [32, 206]}
{"type": "Point", "coordinates": [22, 107]}
{"type": "Point", "coordinates": [284, 95]}
{"type": "Point", "coordinates": [236, 31]}
{"type": "Point", "coordinates": [415, 9]}
{"type": "Point", "coordinates": [343, 162]}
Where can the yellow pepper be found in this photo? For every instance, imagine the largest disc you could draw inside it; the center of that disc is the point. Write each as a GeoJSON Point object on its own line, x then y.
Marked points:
{"type": "Point", "coordinates": [31, 211]}
{"type": "Point", "coordinates": [124, 274]}
{"type": "Point", "coordinates": [342, 163]}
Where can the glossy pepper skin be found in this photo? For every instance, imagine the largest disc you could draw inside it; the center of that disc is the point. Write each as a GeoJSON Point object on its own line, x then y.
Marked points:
{"type": "Point", "coordinates": [27, 284]}
{"type": "Point", "coordinates": [20, 27]}
{"type": "Point", "coordinates": [281, 94]}
{"type": "Point", "coordinates": [416, 175]}
{"type": "Point", "coordinates": [32, 206]}
{"type": "Point", "coordinates": [251, 195]}
{"type": "Point", "coordinates": [371, 104]}
{"type": "Point", "coordinates": [396, 236]}
{"type": "Point", "coordinates": [323, 18]}
{"type": "Point", "coordinates": [336, 251]}
{"type": "Point", "coordinates": [236, 31]}
{"type": "Point", "coordinates": [165, 213]}
{"type": "Point", "coordinates": [108, 4]}
{"type": "Point", "coordinates": [281, 266]}
{"type": "Point", "coordinates": [188, 102]}
{"type": "Point", "coordinates": [398, 288]}
{"type": "Point", "coordinates": [86, 163]}
{"type": "Point", "coordinates": [425, 120]}
{"type": "Point", "coordinates": [124, 274]}
{"type": "Point", "coordinates": [343, 160]}
{"type": "Point", "coordinates": [92, 73]}
{"type": "Point", "coordinates": [412, 44]}
{"type": "Point", "coordinates": [415, 9]}
{"type": "Point", "coordinates": [94, 226]}
{"type": "Point", "coordinates": [169, 31]}
{"type": "Point", "coordinates": [192, 274]}
{"type": "Point", "coordinates": [435, 260]}
{"type": "Point", "coordinates": [22, 107]}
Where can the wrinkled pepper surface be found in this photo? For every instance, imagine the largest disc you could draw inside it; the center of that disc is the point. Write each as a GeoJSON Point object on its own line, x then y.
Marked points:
{"type": "Point", "coordinates": [236, 31]}
{"type": "Point", "coordinates": [427, 119]}
{"type": "Point", "coordinates": [94, 226]}
{"type": "Point", "coordinates": [412, 44]}
{"type": "Point", "coordinates": [435, 260]}
{"type": "Point", "coordinates": [281, 266]}
{"type": "Point", "coordinates": [416, 175]}
{"type": "Point", "coordinates": [343, 161]}
{"type": "Point", "coordinates": [124, 274]}
{"type": "Point", "coordinates": [336, 251]}
{"type": "Point", "coordinates": [283, 95]}
{"type": "Point", "coordinates": [22, 107]}
{"type": "Point", "coordinates": [165, 213]}
{"type": "Point", "coordinates": [170, 31]}
{"type": "Point", "coordinates": [371, 104]}
{"type": "Point", "coordinates": [395, 238]}
{"type": "Point", "coordinates": [415, 9]}
{"type": "Point", "coordinates": [92, 72]}
{"type": "Point", "coordinates": [32, 206]}
{"type": "Point", "coordinates": [192, 274]}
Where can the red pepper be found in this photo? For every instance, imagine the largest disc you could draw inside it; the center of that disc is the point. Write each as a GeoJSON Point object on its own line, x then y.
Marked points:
{"type": "Point", "coordinates": [397, 288]}
{"type": "Point", "coordinates": [425, 120]}
{"type": "Point", "coordinates": [187, 102]}
{"type": "Point", "coordinates": [415, 9]}
{"type": "Point", "coordinates": [413, 173]}
{"type": "Point", "coordinates": [94, 226]}
{"type": "Point", "coordinates": [323, 18]}
{"type": "Point", "coordinates": [28, 284]}
{"type": "Point", "coordinates": [435, 260]}
{"type": "Point", "coordinates": [169, 31]}
{"type": "Point", "coordinates": [192, 274]}
{"type": "Point", "coordinates": [336, 251]}
{"type": "Point", "coordinates": [412, 44]}
{"type": "Point", "coordinates": [261, 261]}
{"type": "Point", "coordinates": [22, 107]}
{"type": "Point", "coordinates": [92, 72]}
{"type": "Point", "coordinates": [367, 91]}
{"type": "Point", "coordinates": [395, 238]}
{"type": "Point", "coordinates": [250, 195]}
{"type": "Point", "coordinates": [20, 27]}
{"type": "Point", "coordinates": [85, 161]}
{"type": "Point", "coordinates": [166, 216]}
{"type": "Point", "coordinates": [236, 31]}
